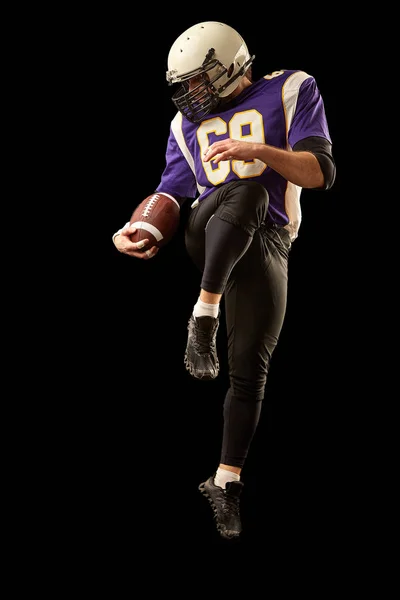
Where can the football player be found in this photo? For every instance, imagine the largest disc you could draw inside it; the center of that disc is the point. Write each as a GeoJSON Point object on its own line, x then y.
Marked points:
{"type": "Point", "coordinates": [241, 151]}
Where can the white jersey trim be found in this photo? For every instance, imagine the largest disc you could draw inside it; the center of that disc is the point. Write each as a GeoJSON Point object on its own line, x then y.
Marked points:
{"type": "Point", "coordinates": [176, 127]}
{"type": "Point", "coordinates": [290, 95]}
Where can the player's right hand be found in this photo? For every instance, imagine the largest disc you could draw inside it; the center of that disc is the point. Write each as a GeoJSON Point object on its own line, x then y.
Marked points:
{"type": "Point", "coordinates": [124, 244]}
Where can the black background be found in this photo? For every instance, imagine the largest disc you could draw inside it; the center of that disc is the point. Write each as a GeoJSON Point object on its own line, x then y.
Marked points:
{"type": "Point", "coordinates": [153, 433]}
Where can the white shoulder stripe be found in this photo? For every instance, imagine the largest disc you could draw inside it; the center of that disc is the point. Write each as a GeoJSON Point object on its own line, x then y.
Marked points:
{"type": "Point", "coordinates": [176, 127]}
{"type": "Point", "coordinates": [290, 94]}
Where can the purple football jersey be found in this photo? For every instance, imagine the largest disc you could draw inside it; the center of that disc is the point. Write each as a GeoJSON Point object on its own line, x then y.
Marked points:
{"type": "Point", "coordinates": [280, 109]}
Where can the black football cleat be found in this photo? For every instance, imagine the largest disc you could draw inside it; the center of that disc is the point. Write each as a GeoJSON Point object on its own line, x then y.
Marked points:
{"type": "Point", "coordinates": [201, 358]}
{"type": "Point", "coordinates": [225, 504]}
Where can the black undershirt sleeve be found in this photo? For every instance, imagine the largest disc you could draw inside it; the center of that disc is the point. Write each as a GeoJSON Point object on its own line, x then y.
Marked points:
{"type": "Point", "coordinates": [322, 150]}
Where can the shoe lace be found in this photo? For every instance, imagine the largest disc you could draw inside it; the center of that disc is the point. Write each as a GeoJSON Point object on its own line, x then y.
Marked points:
{"type": "Point", "coordinates": [230, 504]}
{"type": "Point", "coordinates": [203, 340]}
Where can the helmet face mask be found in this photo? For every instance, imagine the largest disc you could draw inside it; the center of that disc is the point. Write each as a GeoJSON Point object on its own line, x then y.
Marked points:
{"type": "Point", "coordinates": [216, 57]}
{"type": "Point", "coordinates": [197, 103]}
{"type": "Point", "coordinates": [204, 97]}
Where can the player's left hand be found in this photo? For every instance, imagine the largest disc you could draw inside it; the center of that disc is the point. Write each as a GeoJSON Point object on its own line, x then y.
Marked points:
{"type": "Point", "coordinates": [230, 149]}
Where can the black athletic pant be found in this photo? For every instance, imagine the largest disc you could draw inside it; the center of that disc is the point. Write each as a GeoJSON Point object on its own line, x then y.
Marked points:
{"type": "Point", "coordinates": [255, 295]}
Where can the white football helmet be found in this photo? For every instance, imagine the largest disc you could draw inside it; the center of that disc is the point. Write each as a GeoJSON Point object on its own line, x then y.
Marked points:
{"type": "Point", "coordinates": [217, 56]}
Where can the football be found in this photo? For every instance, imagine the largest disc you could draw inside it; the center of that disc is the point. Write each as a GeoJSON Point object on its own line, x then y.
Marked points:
{"type": "Point", "coordinates": [155, 218]}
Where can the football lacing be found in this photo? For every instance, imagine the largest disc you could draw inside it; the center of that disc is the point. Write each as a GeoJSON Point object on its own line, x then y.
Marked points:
{"type": "Point", "coordinates": [150, 205]}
